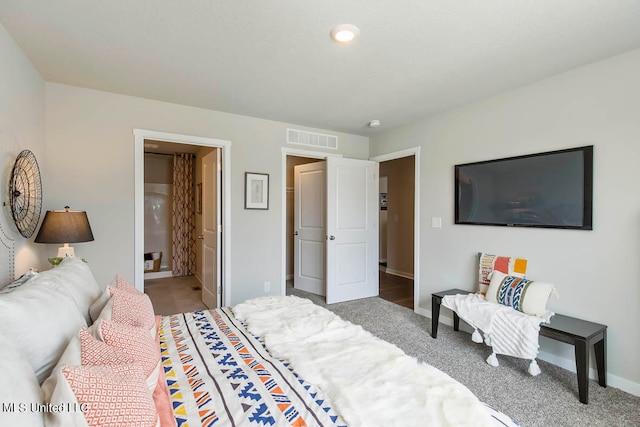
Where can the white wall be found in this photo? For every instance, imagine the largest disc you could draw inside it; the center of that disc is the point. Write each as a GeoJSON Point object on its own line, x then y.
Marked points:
{"type": "Point", "coordinates": [90, 148]}
{"type": "Point", "coordinates": [596, 272]}
{"type": "Point", "coordinates": [22, 93]}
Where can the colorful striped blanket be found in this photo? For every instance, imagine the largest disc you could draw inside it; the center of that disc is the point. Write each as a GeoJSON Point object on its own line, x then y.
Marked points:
{"type": "Point", "coordinates": [218, 374]}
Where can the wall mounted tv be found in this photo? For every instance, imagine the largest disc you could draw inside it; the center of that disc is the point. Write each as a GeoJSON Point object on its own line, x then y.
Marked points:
{"type": "Point", "coordinates": [549, 190]}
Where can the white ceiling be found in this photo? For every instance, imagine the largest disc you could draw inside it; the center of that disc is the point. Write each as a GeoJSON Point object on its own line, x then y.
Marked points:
{"type": "Point", "coordinates": [274, 59]}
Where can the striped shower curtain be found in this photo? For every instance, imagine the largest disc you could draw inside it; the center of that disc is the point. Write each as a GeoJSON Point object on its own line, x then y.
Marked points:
{"type": "Point", "coordinates": [184, 227]}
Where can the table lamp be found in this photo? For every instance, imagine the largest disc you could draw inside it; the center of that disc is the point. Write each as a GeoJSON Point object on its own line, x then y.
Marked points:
{"type": "Point", "coordinates": [65, 227]}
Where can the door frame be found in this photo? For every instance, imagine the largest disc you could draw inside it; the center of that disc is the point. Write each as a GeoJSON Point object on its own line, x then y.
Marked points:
{"type": "Point", "coordinates": [286, 151]}
{"type": "Point", "coordinates": [139, 137]}
{"type": "Point", "coordinates": [414, 151]}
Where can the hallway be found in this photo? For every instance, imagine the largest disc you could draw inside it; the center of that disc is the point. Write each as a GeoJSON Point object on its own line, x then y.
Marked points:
{"type": "Point", "coordinates": [396, 289]}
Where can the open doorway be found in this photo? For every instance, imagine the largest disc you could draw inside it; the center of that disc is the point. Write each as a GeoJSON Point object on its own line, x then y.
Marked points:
{"type": "Point", "coordinates": [181, 201]}
{"type": "Point", "coordinates": [397, 234]}
{"type": "Point", "coordinates": [401, 198]}
{"type": "Point", "coordinates": [348, 229]}
{"type": "Point", "coordinates": [314, 274]}
{"type": "Point", "coordinates": [217, 190]}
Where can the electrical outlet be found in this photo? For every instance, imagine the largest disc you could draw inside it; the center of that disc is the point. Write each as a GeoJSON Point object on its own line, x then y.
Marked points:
{"type": "Point", "coordinates": [267, 286]}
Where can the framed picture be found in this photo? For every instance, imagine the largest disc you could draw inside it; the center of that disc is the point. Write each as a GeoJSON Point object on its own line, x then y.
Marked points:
{"type": "Point", "coordinates": [199, 198]}
{"type": "Point", "coordinates": [256, 190]}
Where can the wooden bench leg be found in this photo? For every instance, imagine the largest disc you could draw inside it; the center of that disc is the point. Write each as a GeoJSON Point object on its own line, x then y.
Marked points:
{"type": "Point", "coordinates": [600, 349]}
{"type": "Point", "coordinates": [435, 315]}
{"type": "Point", "coordinates": [582, 366]}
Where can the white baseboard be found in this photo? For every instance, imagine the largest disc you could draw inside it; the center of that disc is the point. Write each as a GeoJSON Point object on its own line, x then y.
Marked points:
{"type": "Point", "coordinates": [424, 312]}
{"type": "Point", "coordinates": [398, 273]}
{"type": "Point", "coordinates": [568, 364]}
{"type": "Point", "coordinates": [612, 380]}
{"type": "Point", "coordinates": [158, 275]}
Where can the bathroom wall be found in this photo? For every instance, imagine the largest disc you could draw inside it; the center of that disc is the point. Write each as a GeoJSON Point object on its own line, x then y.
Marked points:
{"type": "Point", "coordinates": [158, 200]}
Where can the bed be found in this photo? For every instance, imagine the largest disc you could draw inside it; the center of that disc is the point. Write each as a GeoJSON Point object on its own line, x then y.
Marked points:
{"type": "Point", "coordinates": [270, 361]}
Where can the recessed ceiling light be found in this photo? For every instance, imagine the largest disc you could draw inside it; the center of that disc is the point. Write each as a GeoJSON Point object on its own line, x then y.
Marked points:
{"type": "Point", "coordinates": [344, 33]}
{"type": "Point", "coordinates": [374, 124]}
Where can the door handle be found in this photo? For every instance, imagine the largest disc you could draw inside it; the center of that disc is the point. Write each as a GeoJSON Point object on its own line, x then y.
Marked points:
{"type": "Point", "coordinates": [295, 233]}
{"type": "Point", "coordinates": [332, 237]}
{"type": "Point", "coordinates": [201, 237]}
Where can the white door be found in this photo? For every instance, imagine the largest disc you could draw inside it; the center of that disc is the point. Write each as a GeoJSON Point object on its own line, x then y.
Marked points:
{"type": "Point", "coordinates": [210, 229]}
{"type": "Point", "coordinates": [352, 229]}
{"type": "Point", "coordinates": [309, 228]}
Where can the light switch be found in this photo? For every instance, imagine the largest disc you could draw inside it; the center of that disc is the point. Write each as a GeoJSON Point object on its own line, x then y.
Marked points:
{"type": "Point", "coordinates": [436, 222]}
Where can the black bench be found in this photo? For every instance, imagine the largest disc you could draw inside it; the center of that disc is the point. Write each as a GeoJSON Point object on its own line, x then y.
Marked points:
{"type": "Point", "coordinates": [577, 332]}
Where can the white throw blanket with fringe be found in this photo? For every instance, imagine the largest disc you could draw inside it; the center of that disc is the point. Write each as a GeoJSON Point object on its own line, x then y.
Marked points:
{"type": "Point", "coordinates": [369, 381]}
{"type": "Point", "coordinates": [506, 330]}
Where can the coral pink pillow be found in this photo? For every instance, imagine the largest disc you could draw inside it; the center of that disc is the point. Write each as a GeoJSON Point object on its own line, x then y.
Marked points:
{"type": "Point", "coordinates": [136, 343]}
{"type": "Point", "coordinates": [123, 285]}
{"type": "Point", "coordinates": [112, 395]}
{"type": "Point", "coordinates": [132, 308]}
{"type": "Point", "coordinates": [94, 352]}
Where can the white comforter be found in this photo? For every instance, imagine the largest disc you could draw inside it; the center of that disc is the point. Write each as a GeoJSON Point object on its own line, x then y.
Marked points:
{"type": "Point", "coordinates": [370, 381]}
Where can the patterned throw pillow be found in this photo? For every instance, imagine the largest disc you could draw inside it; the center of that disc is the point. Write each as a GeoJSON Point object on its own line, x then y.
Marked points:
{"type": "Point", "coordinates": [112, 395]}
{"type": "Point", "coordinates": [132, 308]}
{"type": "Point", "coordinates": [122, 284]}
{"type": "Point", "coordinates": [508, 265]}
{"type": "Point", "coordinates": [94, 352]}
{"type": "Point", "coordinates": [523, 295]}
{"type": "Point", "coordinates": [135, 342]}
{"type": "Point", "coordinates": [99, 304]}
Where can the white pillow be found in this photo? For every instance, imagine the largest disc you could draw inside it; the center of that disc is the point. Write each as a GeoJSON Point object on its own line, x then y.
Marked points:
{"type": "Point", "coordinates": [41, 319]}
{"type": "Point", "coordinates": [19, 281]}
{"type": "Point", "coordinates": [20, 387]}
{"type": "Point", "coordinates": [70, 357]}
{"type": "Point", "coordinates": [74, 275]}
{"type": "Point", "coordinates": [98, 305]}
{"type": "Point", "coordinates": [521, 294]}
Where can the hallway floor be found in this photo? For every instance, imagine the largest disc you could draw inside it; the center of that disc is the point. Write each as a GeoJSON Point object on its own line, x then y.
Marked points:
{"type": "Point", "coordinates": [173, 295]}
{"type": "Point", "coordinates": [396, 289]}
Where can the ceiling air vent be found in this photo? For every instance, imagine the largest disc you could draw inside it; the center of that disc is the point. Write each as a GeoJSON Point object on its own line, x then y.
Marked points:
{"type": "Point", "coordinates": [312, 139]}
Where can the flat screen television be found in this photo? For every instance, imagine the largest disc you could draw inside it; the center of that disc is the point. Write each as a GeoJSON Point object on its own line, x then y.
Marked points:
{"type": "Point", "coordinates": [549, 190]}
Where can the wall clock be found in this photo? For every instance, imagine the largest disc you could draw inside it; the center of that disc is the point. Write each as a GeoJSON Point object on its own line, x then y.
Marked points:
{"type": "Point", "coordinates": [25, 193]}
